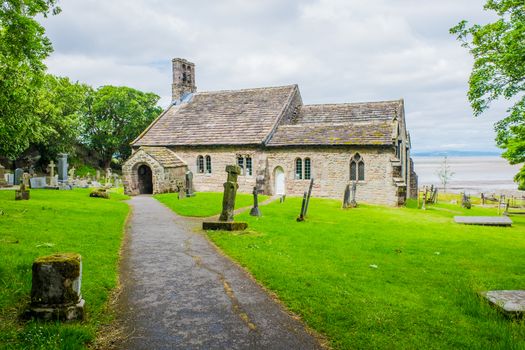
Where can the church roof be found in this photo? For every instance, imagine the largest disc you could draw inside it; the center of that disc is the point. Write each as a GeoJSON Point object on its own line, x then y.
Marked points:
{"type": "Point", "coordinates": [271, 116]}
{"type": "Point", "coordinates": [232, 117]}
{"type": "Point", "coordinates": [166, 157]}
{"type": "Point", "coordinates": [364, 123]}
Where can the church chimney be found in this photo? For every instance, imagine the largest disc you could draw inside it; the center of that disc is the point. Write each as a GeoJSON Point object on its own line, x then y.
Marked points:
{"type": "Point", "coordinates": [183, 79]}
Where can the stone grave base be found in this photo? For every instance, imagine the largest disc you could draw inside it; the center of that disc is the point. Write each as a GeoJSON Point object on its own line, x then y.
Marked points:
{"type": "Point", "coordinates": [62, 313]}
{"type": "Point", "coordinates": [510, 302]}
{"type": "Point", "coordinates": [483, 220]}
{"type": "Point", "coordinates": [21, 195]}
{"type": "Point", "coordinates": [51, 187]}
{"type": "Point", "coordinates": [224, 226]}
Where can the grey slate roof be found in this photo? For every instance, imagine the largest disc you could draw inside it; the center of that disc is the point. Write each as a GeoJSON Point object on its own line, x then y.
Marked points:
{"type": "Point", "coordinates": [255, 116]}
{"type": "Point", "coordinates": [364, 123]}
{"type": "Point", "coordinates": [232, 117]}
{"type": "Point", "coordinates": [166, 157]}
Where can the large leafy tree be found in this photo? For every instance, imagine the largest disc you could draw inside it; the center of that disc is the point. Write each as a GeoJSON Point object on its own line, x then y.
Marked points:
{"type": "Point", "coordinates": [61, 105]}
{"type": "Point", "coordinates": [498, 49]}
{"type": "Point", "coordinates": [116, 116]}
{"type": "Point", "coordinates": [23, 47]}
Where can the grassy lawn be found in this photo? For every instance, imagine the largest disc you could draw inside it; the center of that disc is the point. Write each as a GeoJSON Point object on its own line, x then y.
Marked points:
{"type": "Point", "coordinates": [379, 277]}
{"type": "Point", "coordinates": [203, 204]}
{"type": "Point", "coordinates": [57, 221]}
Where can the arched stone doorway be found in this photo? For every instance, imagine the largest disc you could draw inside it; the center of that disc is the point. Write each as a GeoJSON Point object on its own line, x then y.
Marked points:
{"type": "Point", "coordinates": [145, 179]}
{"type": "Point", "coordinates": [279, 182]}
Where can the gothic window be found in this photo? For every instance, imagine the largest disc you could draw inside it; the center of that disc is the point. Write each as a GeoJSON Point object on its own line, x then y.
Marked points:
{"type": "Point", "coordinates": [208, 165]}
{"type": "Point", "coordinates": [357, 168]}
{"type": "Point", "coordinates": [307, 169]}
{"type": "Point", "coordinates": [200, 164]}
{"type": "Point", "coordinates": [240, 162]}
{"type": "Point", "coordinates": [248, 166]}
{"type": "Point", "coordinates": [298, 169]}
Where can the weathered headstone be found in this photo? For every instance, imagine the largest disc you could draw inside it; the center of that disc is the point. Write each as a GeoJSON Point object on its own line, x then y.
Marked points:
{"type": "Point", "coordinates": [303, 208]}
{"type": "Point", "coordinates": [38, 182]}
{"type": "Point", "coordinates": [71, 173]}
{"type": "Point", "coordinates": [18, 176]}
{"type": "Point", "coordinates": [465, 201]}
{"type": "Point", "coordinates": [22, 193]}
{"type": "Point", "coordinates": [3, 182]}
{"type": "Point", "coordinates": [180, 188]}
{"type": "Point", "coordinates": [353, 203]}
{"type": "Point", "coordinates": [10, 178]}
{"type": "Point", "coordinates": [25, 179]}
{"type": "Point", "coordinates": [55, 290]}
{"type": "Point", "coordinates": [62, 167]}
{"type": "Point", "coordinates": [230, 191]}
{"type": "Point", "coordinates": [97, 175]}
{"type": "Point", "coordinates": [228, 204]}
{"type": "Point", "coordinates": [255, 211]}
{"type": "Point", "coordinates": [346, 197]}
{"type": "Point", "coordinates": [108, 175]}
{"type": "Point", "coordinates": [189, 183]}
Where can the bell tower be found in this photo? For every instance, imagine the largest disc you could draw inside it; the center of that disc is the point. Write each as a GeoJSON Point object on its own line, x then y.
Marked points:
{"type": "Point", "coordinates": [183, 79]}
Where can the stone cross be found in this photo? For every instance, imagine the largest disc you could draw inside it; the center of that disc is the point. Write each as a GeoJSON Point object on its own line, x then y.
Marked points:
{"type": "Point", "coordinates": [353, 203]}
{"type": "Point", "coordinates": [309, 194]}
{"type": "Point", "coordinates": [230, 191]}
{"type": "Point", "coordinates": [25, 179]}
{"type": "Point", "coordinates": [51, 168]}
{"type": "Point", "coordinates": [255, 210]}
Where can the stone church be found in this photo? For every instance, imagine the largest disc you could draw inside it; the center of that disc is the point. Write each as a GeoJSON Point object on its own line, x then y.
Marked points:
{"type": "Point", "coordinates": [279, 143]}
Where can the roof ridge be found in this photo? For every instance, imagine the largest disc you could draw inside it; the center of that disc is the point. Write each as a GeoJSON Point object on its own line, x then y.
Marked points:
{"type": "Point", "coordinates": [245, 90]}
{"type": "Point", "coordinates": [352, 103]}
{"type": "Point", "coordinates": [385, 121]}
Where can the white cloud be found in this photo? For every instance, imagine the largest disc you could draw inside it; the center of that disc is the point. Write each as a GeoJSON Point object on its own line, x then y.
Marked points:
{"type": "Point", "coordinates": [336, 50]}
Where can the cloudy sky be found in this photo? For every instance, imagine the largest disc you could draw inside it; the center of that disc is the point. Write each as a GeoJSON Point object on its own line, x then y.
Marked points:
{"type": "Point", "coordinates": [336, 50]}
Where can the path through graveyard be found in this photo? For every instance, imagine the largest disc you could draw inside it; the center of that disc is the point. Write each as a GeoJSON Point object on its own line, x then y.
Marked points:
{"type": "Point", "coordinates": [178, 292]}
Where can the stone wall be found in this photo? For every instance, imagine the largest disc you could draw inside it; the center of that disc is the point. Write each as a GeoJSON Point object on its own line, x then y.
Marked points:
{"type": "Point", "coordinates": [330, 167]}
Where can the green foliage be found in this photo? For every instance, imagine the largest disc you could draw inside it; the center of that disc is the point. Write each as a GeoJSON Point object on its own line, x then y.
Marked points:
{"type": "Point", "coordinates": [23, 47]}
{"type": "Point", "coordinates": [381, 278]}
{"type": "Point", "coordinates": [203, 204]}
{"type": "Point", "coordinates": [499, 71]}
{"type": "Point", "coordinates": [115, 117]}
{"type": "Point", "coordinates": [51, 222]}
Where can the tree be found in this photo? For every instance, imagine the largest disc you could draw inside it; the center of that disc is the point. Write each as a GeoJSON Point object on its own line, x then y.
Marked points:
{"type": "Point", "coordinates": [60, 107]}
{"type": "Point", "coordinates": [498, 49]}
{"type": "Point", "coordinates": [23, 47]}
{"type": "Point", "coordinates": [445, 174]}
{"type": "Point", "coordinates": [115, 117]}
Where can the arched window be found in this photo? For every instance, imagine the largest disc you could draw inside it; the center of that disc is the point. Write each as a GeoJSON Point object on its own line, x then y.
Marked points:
{"type": "Point", "coordinates": [298, 169]}
{"type": "Point", "coordinates": [357, 168]}
{"type": "Point", "coordinates": [200, 164]}
{"type": "Point", "coordinates": [307, 169]}
{"type": "Point", "coordinates": [208, 165]}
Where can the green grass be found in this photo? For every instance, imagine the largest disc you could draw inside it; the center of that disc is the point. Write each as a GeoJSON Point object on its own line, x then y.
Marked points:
{"type": "Point", "coordinates": [57, 221]}
{"type": "Point", "coordinates": [423, 293]}
{"type": "Point", "coordinates": [203, 204]}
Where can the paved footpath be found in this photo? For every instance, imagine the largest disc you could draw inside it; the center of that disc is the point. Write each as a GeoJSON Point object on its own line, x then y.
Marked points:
{"type": "Point", "coordinates": [180, 293]}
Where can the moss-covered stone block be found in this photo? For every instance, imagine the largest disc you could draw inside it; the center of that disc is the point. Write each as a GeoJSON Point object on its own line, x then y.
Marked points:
{"type": "Point", "coordinates": [21, 195]}
{"type": "Point", "coordinates": [99, 193]}
{"type": "Point", "coordinates": [55, 290]}
{"type": "Point", "coordinates": [224, 226]}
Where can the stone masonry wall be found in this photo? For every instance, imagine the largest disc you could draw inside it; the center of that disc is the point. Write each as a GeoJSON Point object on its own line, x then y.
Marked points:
{"type": "Point", "coordinates": [330, 167]}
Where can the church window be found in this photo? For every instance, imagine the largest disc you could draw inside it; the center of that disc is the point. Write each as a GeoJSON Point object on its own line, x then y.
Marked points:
{"type": "Point", "coordinates": [249, 166]}
{"type": "Point", "coordinates": [357, 168]}
{"type": "Point", "coordinates": [298, 169]}
{"type": "Point", "coordinates": [208, 165]}
{"type": "Point", "coordinates": [240, 162]}
{"type": "Point", "coordinates": [307, 169]}
{"type": "Point", "coordinates": [200, 164]}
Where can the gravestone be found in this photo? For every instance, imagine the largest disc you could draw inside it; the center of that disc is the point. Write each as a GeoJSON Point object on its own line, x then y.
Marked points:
{"type": "Point", "coordinates": [71, 173]}
{"type": "Point", "coordinates": [53, 181]}
{"type": "Point", "coordinates": [353, 203]}
{"type": "Point", "coordinates": [510, 302]}
{"type": "Point", "coordinates": [228, 204]}
{"type": "Point", "coordinates": [255, 210]}
{"type": "Point", "coordinates": [189, 183]}
{"type": "Point", "coordinates": [18, 176]}
{"type": "Point", "coordinates": [25, 179]}
{"type": "Point", "coordinates": [303, 208]}
{"type": "Point", "coordinates": [346, 197]}
{"type": "Point", "coordinates": [3, 182]}
{"type": "Point", "coordinates": [97, 175]}
{"type": "Point", "coordinates": [22, 193]}
{"type": "Point", "coordinates": [309, 195]}
{"type": "Point", "coordinates": [55, 290]}
{"type": "Point", "coordinates": [465, 201]}
{"type": "Point", "coordinates": [38, 182]}
{"type": "Point", "coordinates": [10, 178]}
{"type": "Point", "coordinates": [180, 188]}
{"type": "Point", "coordinates": [62, 167]}
{"type": "Point", "coordinates": [108, 175]}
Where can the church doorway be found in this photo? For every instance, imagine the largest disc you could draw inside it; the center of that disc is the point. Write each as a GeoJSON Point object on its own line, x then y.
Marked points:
{"type": "Point", "coordinates": [279, 185]}
{"type": "Point", "coordinates": [145, 180]}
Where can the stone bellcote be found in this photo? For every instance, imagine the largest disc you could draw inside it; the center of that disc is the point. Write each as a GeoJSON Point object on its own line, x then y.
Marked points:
{"type": "Point", "coordinates": [183, 79]}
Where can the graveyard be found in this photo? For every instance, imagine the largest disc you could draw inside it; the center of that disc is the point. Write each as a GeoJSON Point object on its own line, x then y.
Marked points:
{"type": "Point", "coordinates": [50, 222]}
{"type": "Point", "coordinates": [372, 276]}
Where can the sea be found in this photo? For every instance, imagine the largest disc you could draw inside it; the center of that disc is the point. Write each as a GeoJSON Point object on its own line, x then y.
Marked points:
{"type": "Point", "coordinates": [475, 174]}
